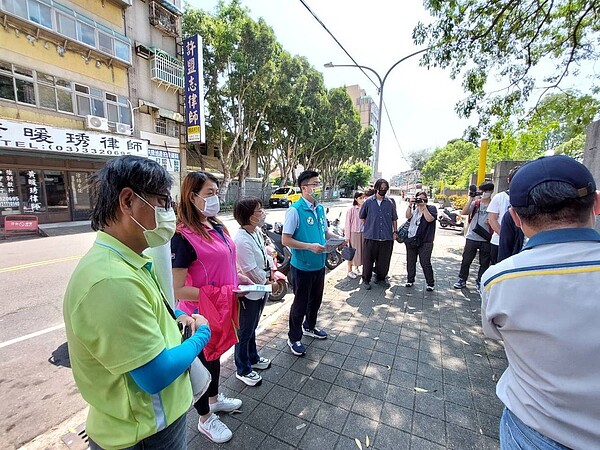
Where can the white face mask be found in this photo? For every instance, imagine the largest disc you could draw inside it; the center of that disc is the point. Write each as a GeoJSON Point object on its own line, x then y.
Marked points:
{"type": "Point", "coordinates": [165, 226]}
{"type": "Point", "coordinates": [260, 222]}
{"type": "Point", "coordinates": [212, 206]}
{"type": "Point", "coordinates": [486, 195]}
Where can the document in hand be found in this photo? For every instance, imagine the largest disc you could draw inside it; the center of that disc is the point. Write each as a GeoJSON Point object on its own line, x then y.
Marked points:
{"type": "Point", "coordinates": [333, 243]}
{"type": "Point", "coordinates": [253, 288]}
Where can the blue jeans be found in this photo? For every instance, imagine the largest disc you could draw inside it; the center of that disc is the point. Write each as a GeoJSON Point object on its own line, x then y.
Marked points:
{"type": "Point", "coordinates": [245, 349]}
{"type": "Point", "coordinates": [515, 435]}
{"type": "Point", "coordinates": [171, 438]}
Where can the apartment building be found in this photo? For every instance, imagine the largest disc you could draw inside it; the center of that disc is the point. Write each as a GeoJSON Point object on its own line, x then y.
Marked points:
{"type": "Point", "coordinates": [82, 81]}
{"type": "Point", "coordinates": [369, 114]}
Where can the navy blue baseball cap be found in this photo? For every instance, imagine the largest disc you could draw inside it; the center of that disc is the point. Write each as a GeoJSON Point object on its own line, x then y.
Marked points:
{"type": "Point", "coordinates": [550, 168]}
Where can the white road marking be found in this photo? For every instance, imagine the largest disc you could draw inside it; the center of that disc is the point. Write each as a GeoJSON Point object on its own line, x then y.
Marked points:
{"type": "Point", "coordinates": [32, 335]}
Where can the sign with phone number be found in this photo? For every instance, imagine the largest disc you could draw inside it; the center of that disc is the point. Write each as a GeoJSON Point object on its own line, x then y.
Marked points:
{"type": "Point", "coordinates": [27, 136]}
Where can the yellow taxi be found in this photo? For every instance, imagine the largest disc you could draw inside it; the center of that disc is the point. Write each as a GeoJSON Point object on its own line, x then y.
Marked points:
{"type": "Point", "coordinates": [283, 197]}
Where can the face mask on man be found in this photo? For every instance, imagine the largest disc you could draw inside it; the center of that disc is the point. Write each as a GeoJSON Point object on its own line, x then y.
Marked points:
{"type": "Point", "coordinates": [486, 195]}
{"type": "Point", "coordinates": [382, 192]}
{"type": "Point", "coordinates": [212, 206]}
{"type": "Point", "coordinates": [165, 225]}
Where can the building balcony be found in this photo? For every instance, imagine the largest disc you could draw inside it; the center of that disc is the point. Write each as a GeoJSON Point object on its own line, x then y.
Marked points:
{"type": "Point", "coordinates": [166, 70]}
{"type": "Point", "coordinates": [163, 19]}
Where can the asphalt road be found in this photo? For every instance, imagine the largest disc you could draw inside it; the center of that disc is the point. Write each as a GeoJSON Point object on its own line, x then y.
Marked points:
{"type": "Point", "coordinates": [37, 391]}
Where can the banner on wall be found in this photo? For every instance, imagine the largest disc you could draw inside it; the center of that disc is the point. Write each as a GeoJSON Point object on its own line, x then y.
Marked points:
{"type": "Point", "coordinates": [27, 136]}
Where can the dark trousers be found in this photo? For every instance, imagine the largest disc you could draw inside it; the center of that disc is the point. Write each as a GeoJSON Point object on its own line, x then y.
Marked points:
{"type": "Point", "coordinates": [378, 253]}
{"type": "Point", "coordinates": [214, 368]}
{"type": "Point", "coordinates": [245, 349]}
{"type": "Point", "coordinates": [493, 254]}
{"type": "Point", "coordinates": [468, 256]}
{"type": "Point", "coordinates": [171, 438]}
{"type": "Point", "coordinates": [423, 252]}
{"type": "Point", "coordinates": [308, 295]}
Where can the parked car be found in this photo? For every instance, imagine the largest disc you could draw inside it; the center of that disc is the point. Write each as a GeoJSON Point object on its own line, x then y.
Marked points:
{"type": "Point", "coordinates": [284, 197]}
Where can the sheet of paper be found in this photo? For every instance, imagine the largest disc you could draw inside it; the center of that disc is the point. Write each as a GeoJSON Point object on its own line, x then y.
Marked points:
{"type": "Point", "coordinates": [254, 288]}
{"type": "Point", "coordinates": [333, 243]}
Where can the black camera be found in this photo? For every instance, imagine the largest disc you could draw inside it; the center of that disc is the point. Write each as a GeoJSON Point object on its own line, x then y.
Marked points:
{"type": "Point", "coordinates": [418, 200]}
{"type": "Point", "coordinates": [473, 192]}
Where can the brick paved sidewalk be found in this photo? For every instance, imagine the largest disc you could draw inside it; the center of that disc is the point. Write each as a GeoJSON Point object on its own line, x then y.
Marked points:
{"type": "Point", "coordinates": [402, 367]}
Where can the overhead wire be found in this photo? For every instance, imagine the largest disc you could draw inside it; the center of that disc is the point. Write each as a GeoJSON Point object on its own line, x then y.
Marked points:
{"type": "Point", "coordinates": [363, 71]}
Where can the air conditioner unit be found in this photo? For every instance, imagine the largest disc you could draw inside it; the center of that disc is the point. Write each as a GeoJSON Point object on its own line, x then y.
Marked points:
{"type": "Point", "coordinates": [123, 128]}
{"type": "Point", "coordinates": [96, 123]}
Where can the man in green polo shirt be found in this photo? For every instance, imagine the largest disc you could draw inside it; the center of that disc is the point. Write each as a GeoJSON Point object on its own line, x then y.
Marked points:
{"type": "Point", "coordinates": [125, 347]}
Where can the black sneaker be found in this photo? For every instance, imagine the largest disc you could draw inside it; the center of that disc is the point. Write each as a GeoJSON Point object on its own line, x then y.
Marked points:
{"type": "Point", "coordinates": [366, 286]}
{"type": "Point", "coordinates": [429, 287]}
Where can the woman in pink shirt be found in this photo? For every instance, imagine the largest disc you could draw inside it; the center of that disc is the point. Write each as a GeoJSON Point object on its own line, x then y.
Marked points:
{"type": "Point", "coordinates": [353, 234]}
{"type": "Point", "coordinates": [204, 256]}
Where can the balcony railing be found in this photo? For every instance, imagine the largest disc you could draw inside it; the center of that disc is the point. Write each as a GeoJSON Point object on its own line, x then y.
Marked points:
{"type": "Point", "coordinates": [163, 19]}
{"type": "Point", "coordinates": [166, 70]}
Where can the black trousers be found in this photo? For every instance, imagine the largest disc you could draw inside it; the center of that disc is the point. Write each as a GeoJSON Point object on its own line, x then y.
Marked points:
{"type": "Point", "coordinates": [308, 295]}
{"type": "Point", "coordinates": [378, 253]}
{"type": "Point", "coordinates": [214, 368]}
{"type": "Point", "coordinates": [468, 256]}
{"type": "Point", "coordinates": [493, 254]}
{"type": "Point", "coordinates": [423, 252]}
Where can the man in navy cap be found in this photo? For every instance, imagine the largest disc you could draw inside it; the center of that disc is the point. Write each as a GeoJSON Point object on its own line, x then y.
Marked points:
{"type": "Point", "coordinates": [544, 303]}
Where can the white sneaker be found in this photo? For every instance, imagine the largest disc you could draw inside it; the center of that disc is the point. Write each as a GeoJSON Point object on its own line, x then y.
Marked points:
{"type": "Point", "coordinates": [262, 364]}
{"type": "Point", "coordinates": [352, 275]}
{"type": "Point", "coordinates": [251, 379]}
{"type": "Point", "coordinates": [215, 430]}
{"type": "Point", "coordinates": [225, 404]}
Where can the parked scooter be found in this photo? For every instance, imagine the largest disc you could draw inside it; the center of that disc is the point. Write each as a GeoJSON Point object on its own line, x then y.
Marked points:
{"type": "Point", "coordinates": [334, 258]}
{"type": "Point", "coordinates": [280, 290]}
{"type": "Point", "coordinates": [450, 217]}
{"type": "Point", "coordinates": [284, 255]}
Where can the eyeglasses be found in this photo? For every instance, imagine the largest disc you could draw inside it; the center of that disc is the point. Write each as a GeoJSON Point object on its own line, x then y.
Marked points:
{"type": "Point", "coordinates": [166, 199]}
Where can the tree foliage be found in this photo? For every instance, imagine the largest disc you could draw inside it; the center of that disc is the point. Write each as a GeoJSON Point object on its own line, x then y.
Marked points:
{"type": "Point", "coordinates": [453, 164]}
{"type": "Point", "coordinates": [356, 175]}
{"type": "Point", "coordinates": [556, 126]}
{"type": "Point", "coordinates": [509, 38]}
{"type": "Point", "coordinates": [261, 100]}
{"type": "Point", "coordinates": [418, 158]}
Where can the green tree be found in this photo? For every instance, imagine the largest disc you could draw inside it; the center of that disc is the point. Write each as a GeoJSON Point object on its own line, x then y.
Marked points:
{"type": "Point", "coordinates": [240, 65]}
{"type": "Point", "coordinates": [418, 158]}
{"type": "Point", "coordinates": [356, 175]}
{"type": "Point", "coordinates": [509, 38]}
{"type": "Point", "coordinates": [452, 164]}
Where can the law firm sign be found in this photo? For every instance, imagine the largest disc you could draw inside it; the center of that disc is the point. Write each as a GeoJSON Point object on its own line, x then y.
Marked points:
{"type": "Point", "coordinates": [194, 91]}
{"type": "Point", "coordinates": [26, 136]}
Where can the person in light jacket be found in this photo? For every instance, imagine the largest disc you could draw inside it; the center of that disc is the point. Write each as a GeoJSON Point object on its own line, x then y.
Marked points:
{"type": "Point", "coordinates": [354, 235]}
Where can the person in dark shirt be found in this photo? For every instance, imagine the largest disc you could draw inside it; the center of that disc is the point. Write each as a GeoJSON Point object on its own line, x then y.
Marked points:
{"type": "Point", "coordinates": [512, 238]}
{"type": "Point", "coordinates": [380, 218]}
{"type": "Point", "coordinates": [421, 233]}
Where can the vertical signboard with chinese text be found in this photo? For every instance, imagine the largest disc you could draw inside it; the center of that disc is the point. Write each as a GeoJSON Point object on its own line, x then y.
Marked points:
{"type": "Point", "coordinates": [9, 198]}
{"type": "Point", "coordinates": [194, 91]}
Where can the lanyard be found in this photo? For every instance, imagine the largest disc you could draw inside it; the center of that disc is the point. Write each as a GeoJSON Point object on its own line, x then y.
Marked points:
{"type": "Point", "coordinates": [260, 247]}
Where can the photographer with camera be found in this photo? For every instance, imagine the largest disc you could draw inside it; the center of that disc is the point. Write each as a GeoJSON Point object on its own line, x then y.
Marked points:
{"type": "Point", "coordinates": [419, 243]}
{"type": "Point", "coordinates": [479, 233]}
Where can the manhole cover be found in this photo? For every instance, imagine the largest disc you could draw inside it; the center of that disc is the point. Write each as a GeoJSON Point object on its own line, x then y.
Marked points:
{"type": "Point", "coordinates": [77, 439]}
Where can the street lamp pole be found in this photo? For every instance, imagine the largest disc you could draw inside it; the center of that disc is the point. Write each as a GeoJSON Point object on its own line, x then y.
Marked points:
{"type": "Point", "coordinates": [380, 89]}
